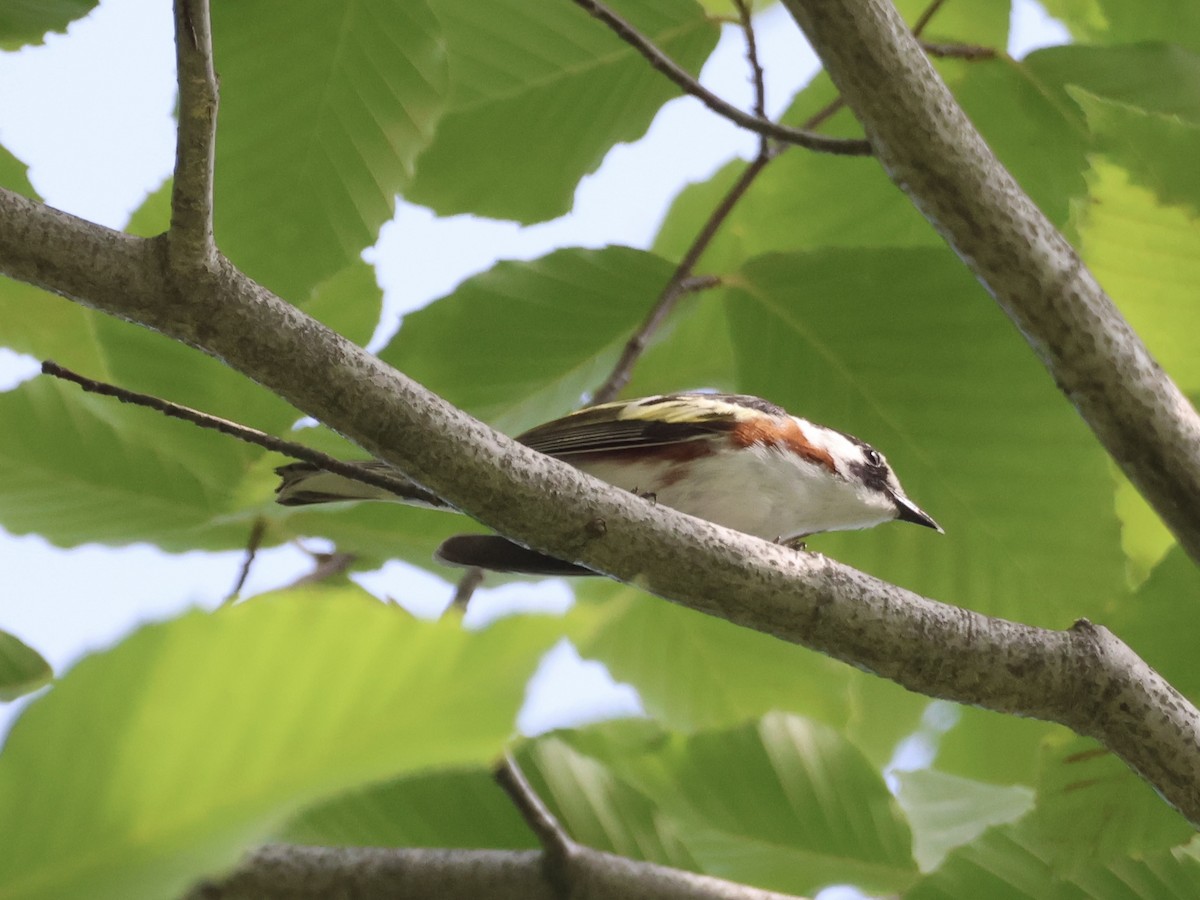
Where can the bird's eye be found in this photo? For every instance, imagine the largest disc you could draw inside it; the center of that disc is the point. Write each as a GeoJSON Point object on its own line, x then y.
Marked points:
{"type": "Point", "coordinates": [873, 458]}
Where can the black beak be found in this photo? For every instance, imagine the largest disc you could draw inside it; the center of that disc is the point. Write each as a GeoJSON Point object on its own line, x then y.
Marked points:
{"type": "Point", "coordinates": [907, 511]}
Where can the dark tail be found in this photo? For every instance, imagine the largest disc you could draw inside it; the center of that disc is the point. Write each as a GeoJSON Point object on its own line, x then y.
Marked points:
{"type": "Point", "coordinates": [497, 554]}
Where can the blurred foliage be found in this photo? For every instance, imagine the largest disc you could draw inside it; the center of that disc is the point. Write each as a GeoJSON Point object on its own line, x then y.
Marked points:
{"type": "Point", "coordinates": [321, 715]}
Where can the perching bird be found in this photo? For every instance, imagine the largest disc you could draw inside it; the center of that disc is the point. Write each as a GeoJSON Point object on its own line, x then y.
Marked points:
{"type": "Point", "coordinates": [732, 459]}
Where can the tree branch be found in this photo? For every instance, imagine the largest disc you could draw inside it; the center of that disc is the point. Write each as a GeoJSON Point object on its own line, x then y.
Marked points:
{"type": "Point", "coordinates": [689, 85]}
{"type": "Point", "coordinates": [190, 240]}
{"type": "Point", "coordinates": [932, 151]}
{"type": "Point", "coordinates": [1083, 678]}
{"type": "Point", "coordinates": [316, 873]}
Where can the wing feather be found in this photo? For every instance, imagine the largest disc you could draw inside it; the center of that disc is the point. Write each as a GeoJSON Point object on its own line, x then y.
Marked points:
{"type": "Point", "coordinates": [599, 430]}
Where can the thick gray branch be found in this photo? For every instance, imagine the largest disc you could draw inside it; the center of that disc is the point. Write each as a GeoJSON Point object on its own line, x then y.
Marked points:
{"type": "Point", "coordinates": [300, 873]}
{"type": "Point", "coordinates": [931, 150]}
{"type": "Point", "coordinates": [1083, 678]}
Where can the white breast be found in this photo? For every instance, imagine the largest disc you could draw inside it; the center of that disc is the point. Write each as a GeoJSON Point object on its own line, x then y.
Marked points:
{"type": "Point", "coordinates": [759, 490]}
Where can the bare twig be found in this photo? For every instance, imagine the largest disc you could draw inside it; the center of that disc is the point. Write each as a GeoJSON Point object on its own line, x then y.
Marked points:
{"type": "Point", "coordinates": [959, 51]}
{"type": "Point", "coordinates": [557, 846]}
{"type": "Point", "coordinates": [682, 282]}
{"type": "Point", "coordinates": [678, 286]}
{"type": "Point", "coordinates": [765, 127]}
{"type": "Point", "coordinates": [926, 17]}
{"type": "Point", "coordinates": [252, 545]}
{"type": "Point", "coordinates": [745, 17]}
{"type": "Point", "coordinates": [373, 477]}
{"type": "Point", "coordinates": [328, 565]}
{"type": "Point", "coordinates": [466, 588]}
{"type": "Point", "coordinates": [190, 239]}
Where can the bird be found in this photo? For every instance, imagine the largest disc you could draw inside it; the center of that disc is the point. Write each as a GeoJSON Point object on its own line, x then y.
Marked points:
{"type": "Point", "coordinates": [733, 459]}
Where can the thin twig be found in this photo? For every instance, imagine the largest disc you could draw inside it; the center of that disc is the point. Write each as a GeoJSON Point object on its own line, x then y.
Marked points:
{"type": "Point", "coordinates": [328, 565]}
{"type": "Point", "coordinates": [959, 51]}
{"type": "Point", "coordinates": [252, 544]}
{"type": "Point", "coordinates": [552, 837]}
{"type": "Point", "coordinates": [825, 113]}
{"type": "Point", "coordinates": [190, 239]}
{"type": "Point", "coordinates": [682, 282]}
{"type": "Point", "coordinates": [668, 67]}
{"type": "Point", "coordinates": [467, 585]}
{"type": "Point", "coordinates": [396, 484]}
{"type": "Point", "coordinates": [925, 17]}
{"type": "Point", "coordinates": [676, 288]}
{"type": "Point", "coordinates": [745, 16]}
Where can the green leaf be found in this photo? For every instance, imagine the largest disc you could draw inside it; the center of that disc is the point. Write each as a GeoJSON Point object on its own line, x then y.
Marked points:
{"type": "Point", "coordinates": [1009, 863]}
{"type": "Point", "coordinates": [1157, 78]}
{"type": "Point", "coordinates": [153, 217]}
{"type": "Point", "coordinates": [946, 811]}
{"type": "Point", "coordinates": [902, 348]}
{"type": "Point", "coordinates": [1156, 150]}
{"type": "Point", "coordinates": [988, 746]}
{"type": "Point", "coordinates": [524, 341]}
{"type": "Point", "coordinates": [1092, 808]}
{"type": "Point", "coordinates": [1147, 255]}
{"type": "Point", "coordinates": [323, 112]}
{"type": "Point", "coordinates": [1118, 22]}
{"type": "Point", "coordinates": [691, 351]}
{"type": "Point", "coordinates": [782, 803]}
{"type": "Point", "coordinates": [28, 21]}
{"type": "Point", "coordinates": [453, 808]}
{"type": "Point", "coordinates": [1150, 621]}
{"type": "Point", "coordinates": [22, 669]}
{"type": "Point", "coordinates": [1160, 876]}
{"type": "Point", "coordinates": [983, 22]}
{"type": "Point", "coordinates": [1144, 537]}
{"type": "Point", "coordinates": [1038, 137]}
{"type": "Point", "coordinates": [532, 82]}
{"type": "Point", "coordinates": [1006, 863]}
{"type": "Point", "coordinates": [858, 205]}
{"type": "Point", "coordinates": [14, 174]}
{"type": "Point", "coordinates": [216, 728]}
{"type": "Point", "coordinates": [47, 326]}
{"type": "Point", "coordinates": [594, 804]}
{"type": "Point", "coordinates": [694, 671]}
{"type": "Point", "coordinates": [86, 468]}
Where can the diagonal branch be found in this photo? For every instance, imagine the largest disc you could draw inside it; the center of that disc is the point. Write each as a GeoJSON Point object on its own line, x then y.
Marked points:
{"type": "Point", "coordinates": [190, 240]}
{"type": "Point", "coordinates": [1083, 678]}
{"type": "Point", "coordinates": [689, 85]}
{"type": "Point", "coordinates": [931, 150]}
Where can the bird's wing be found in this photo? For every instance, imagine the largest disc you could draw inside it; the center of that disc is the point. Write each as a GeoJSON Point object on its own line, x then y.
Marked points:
{"type": "Point", "coordinates": [652, 422]}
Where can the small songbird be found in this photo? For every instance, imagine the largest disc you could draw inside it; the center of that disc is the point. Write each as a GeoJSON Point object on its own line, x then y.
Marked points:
{"type": "Point", "coordinates": [732, 459]}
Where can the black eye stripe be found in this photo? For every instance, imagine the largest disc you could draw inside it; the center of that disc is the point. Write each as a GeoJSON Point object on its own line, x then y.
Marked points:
{"type": "Point", "coordinates": [873, 457]}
